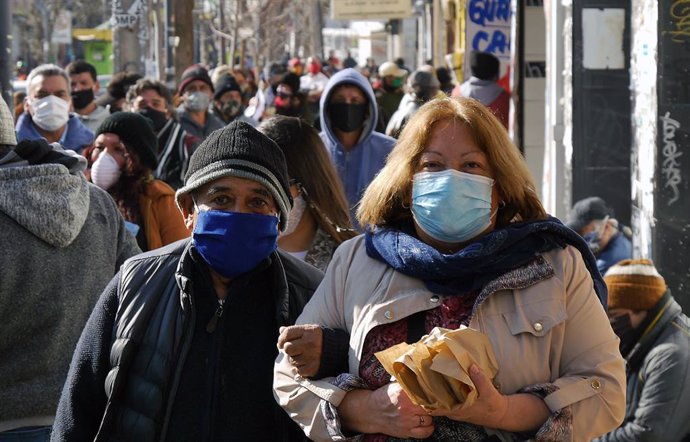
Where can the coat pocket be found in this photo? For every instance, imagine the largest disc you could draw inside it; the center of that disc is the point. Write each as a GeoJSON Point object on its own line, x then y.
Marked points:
{"type": "Point", "coordinates": [536, 318]}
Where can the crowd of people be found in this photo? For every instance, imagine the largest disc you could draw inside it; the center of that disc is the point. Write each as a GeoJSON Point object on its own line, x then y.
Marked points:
{"type": "Point", "coordinates": [225, 260]}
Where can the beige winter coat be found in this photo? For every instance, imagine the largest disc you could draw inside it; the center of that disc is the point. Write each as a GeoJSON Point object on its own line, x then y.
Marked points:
{"type": "Point", "coordinates": [545, 323]}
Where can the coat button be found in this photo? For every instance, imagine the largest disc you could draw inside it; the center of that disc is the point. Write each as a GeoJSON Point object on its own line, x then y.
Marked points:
{"type": "Point", "coordinates": [538, 327]}
{"type": "Point", "coordinates": [388, 315]}
{"type": "Point", "coordinates": [434, 298]}
{"type": "Point", "coordinates": [596, 384]}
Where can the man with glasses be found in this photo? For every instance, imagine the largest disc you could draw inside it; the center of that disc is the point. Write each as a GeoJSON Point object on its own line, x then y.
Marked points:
{"type": "Point", "coordinates": [610, 242]}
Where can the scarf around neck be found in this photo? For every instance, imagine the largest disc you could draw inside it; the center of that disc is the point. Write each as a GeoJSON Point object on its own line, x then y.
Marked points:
{"type": "Point", "coordinates": [481, 261]}
{"type": "Point", "coordinates": [38, 151]}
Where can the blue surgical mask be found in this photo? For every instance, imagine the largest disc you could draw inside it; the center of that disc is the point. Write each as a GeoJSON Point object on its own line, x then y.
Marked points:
{"type": "Point", "coordinates": [593, 238]}
{"type": "Point", "coordinates": [451, 206]}
{"type": "Point", "coordinates": [233, 243]}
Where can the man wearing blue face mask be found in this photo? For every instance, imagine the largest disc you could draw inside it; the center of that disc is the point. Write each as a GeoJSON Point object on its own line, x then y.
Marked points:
{"type": "Point", "coordinates": [47, 113]}
{"type": "Point", "coordinates": [182, 343]}
{"type": "Point", "coordinates": [348, 117]}
{"type": "Point", "coordinates": [610, 242]}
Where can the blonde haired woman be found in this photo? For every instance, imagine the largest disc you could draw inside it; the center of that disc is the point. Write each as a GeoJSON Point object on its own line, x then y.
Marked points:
{"type": "Point", "coordinates": [457, 236]}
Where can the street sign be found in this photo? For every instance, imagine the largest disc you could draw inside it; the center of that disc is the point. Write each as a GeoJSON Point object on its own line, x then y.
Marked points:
{"type": "Point", "coordinates": [123, 20]}
{"type": "Point", "coordinates": [369, 10]}
{"type": "Point", "coordinates": [126, 19]}
{"type": "Point", "coordinates": [62, 30]}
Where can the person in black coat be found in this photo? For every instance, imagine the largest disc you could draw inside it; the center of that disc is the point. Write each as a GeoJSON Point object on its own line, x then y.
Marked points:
{"type": "Point", "coordinates": [655, 342]}
{"type": "Point", "coordinates": [181, 343]}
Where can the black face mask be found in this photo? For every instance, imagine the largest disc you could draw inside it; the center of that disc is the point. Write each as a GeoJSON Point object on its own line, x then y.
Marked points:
{"type": "Point", "coordinates": [623, 328]}
{"type": "Point", "coordinates": [156, 117]}
{"type": "Point", "coordinates": [81, 99]}
{"type": "Point", "coordinates": [347, 117]}
{"type": "Point", "coordinates": [230, 110]}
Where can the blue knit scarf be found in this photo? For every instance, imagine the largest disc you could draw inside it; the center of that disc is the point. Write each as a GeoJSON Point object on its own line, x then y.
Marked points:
{"type": "Point", "coordinates": [480, 262]}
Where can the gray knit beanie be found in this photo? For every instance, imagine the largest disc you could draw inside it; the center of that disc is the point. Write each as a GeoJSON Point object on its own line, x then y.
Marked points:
{"type": "Point", "coordinates": [587, 210]}
{"type": "Point", "coordinates": [241, 151]}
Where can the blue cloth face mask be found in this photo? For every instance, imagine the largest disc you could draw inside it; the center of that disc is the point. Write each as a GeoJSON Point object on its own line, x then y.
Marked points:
{"type": "Point", "coordinates": [233, 243]}
{"type": "Point", "coordinates": [451, 206]}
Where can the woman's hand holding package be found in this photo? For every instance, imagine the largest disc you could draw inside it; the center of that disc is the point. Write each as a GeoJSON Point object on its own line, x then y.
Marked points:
{"type": "Point", "coordinates": [518, 412]}
{"type": "Point", "coordinates": [386, 410]}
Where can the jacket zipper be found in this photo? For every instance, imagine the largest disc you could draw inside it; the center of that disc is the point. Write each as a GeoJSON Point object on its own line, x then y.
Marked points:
{"type": "Point", "coordinates": [213, 322]}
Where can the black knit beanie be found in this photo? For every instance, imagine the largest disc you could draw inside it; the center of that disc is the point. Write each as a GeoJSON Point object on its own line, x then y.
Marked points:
{"type": "Point", "coordinates": [136, 133]}
{"type": "Point", "coordinates": [292, 80]}
{"type": "Point", "coordinates": [224, 84]}
{"type": "Point", "coordinates": [241, 151]}
{"type": "Point", "coordinates": [194, 72]}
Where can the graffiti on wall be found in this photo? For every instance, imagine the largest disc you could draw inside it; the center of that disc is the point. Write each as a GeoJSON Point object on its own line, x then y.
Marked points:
{"type": "Point", "coordinates": [679, 15]}
{"type": "Point", "coordinates": [670, 167]}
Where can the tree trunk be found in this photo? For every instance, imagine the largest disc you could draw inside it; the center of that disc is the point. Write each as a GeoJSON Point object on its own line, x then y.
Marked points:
{"type": "Point", "coordinates": [183, 24]}
{"type": "Point", "coordinates": [316, 22]}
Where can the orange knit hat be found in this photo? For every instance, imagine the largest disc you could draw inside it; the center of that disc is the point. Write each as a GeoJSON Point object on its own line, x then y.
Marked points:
{"type": "Point", "coordinates": [634, 284]}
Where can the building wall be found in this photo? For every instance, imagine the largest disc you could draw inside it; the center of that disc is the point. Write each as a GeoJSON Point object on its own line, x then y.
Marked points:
{"type": "Point", "coordinates": [643, 84]}
{"type": "Point", "coordinates": [534, 90]}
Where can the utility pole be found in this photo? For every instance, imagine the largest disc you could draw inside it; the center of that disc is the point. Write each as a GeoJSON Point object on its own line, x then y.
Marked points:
{"type": "Point", "coordinates": [5, 52]}
{"type": "Point", "coordinates": [222, 57]}
{"type": "Point", "coordinates": [126, 20]}
{"type": "Point", "coordinates": [40, 4]}
{"type": "Point", "coordinates": [170, 43]}
{"type": "Point", "coordinates": [235, 33]}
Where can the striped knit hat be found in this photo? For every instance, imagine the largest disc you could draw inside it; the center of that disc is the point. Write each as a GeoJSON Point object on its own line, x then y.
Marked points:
{"type": "Point", "coordinates": [239, 150]}
{"type": "Point", "coordinates": [634, 284]}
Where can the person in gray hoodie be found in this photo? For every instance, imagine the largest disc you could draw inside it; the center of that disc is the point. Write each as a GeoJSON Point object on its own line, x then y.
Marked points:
{"type": "Point", "coordinates": [62, 240]}
{"type": "Point", "coordinates": [483, 85]}
{"type": "Point", "coordinates": [348, 116]}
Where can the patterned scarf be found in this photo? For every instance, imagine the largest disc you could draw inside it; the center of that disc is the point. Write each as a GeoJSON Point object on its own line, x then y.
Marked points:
{"type": "Point", "coordinates": [32, 152]}
{"type": "Point", "coordinates": [480, 262]}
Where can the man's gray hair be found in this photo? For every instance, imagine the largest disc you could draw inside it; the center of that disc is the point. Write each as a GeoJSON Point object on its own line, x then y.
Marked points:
{"type": "Point", "coordinates": [48, 70]}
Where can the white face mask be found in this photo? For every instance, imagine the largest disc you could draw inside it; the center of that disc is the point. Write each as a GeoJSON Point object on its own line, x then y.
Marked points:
{"type": "Point", "coordinates": [298, 208]}
{"type": "Point", "coordinates": [105, 171]}
{"type": "Point", "coordinates": [197, 101]}
{"type": "Point", "coordinates": [50, 113]}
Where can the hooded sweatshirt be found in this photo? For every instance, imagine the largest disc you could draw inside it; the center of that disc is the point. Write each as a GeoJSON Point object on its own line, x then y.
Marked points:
{"type": "Point", "coordinates": [357, 167]}
{"type": "Point", "coordinates": [487, 92]}
{"type": "Point", "coordinates": [63, 239]}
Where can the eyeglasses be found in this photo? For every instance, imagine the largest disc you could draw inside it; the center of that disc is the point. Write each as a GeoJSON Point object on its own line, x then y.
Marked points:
{"type": "Point", "coordinates": [284, 96]}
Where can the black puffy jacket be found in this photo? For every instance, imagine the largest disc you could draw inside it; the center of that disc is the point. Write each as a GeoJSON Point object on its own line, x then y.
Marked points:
{"type": "Point", "coordinates": [151, 335]}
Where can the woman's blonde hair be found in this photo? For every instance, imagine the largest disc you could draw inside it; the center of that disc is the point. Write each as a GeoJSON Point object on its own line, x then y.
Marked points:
{"type": "Point", "coordinates": [387, 198]}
